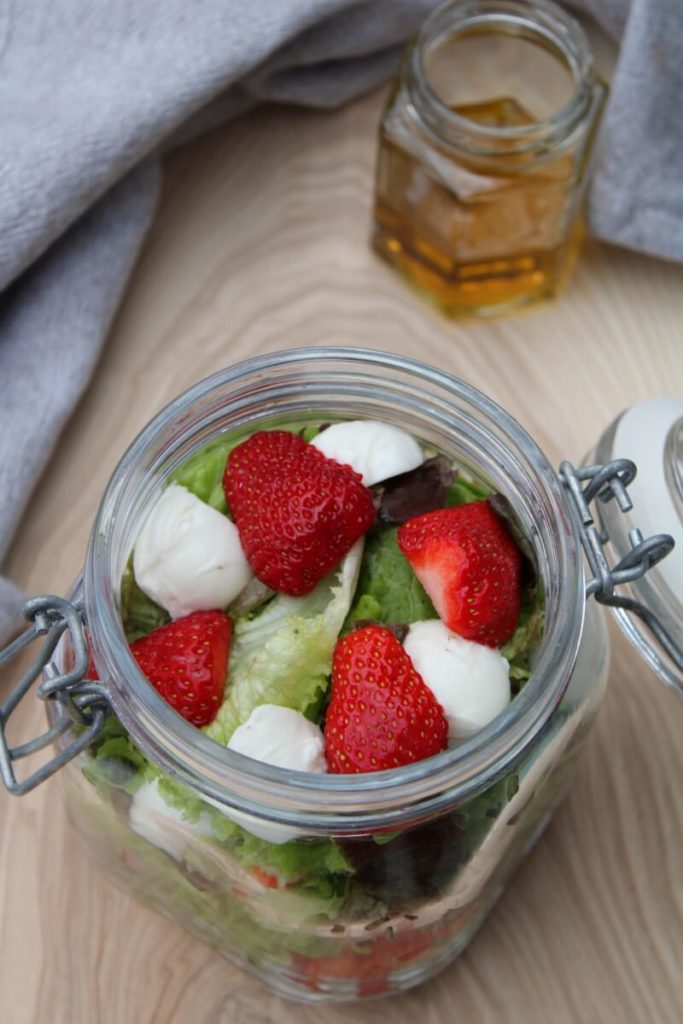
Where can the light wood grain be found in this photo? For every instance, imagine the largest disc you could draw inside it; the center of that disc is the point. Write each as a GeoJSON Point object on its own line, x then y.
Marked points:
{"type": "Point", "coordinates": [261, 243]}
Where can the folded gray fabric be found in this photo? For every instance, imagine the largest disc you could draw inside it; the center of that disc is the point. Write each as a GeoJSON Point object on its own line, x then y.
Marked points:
{"type": "Point", "coordinates": [636, 198]}
{"type": "Point", "coordinates": [91, 91]}
{"type": "Point", "coordinates": [52, 322]}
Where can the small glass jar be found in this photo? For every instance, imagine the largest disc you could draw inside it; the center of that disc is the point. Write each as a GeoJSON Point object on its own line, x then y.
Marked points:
{"type": "Point", "coordinates": [483, 152]}
{"type": "Point", "coordinates": [328, 887]}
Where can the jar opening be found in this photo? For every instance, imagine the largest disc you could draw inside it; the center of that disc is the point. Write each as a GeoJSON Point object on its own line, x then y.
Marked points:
{"type": "Point", "coordinates": [344, 383]}
{"type": "Point", "coordinates": [501, 75]}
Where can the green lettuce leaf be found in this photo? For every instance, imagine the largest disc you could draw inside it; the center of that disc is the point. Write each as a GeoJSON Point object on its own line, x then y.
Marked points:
{"type": "Point", "coordinates": [114, 741]}
{"type": "Point", "coordinates": [298, 860]}
{"type": "Point", "coordinates": [202, 473]}
{"type": "Point", "coordinates": [309, 432]}
{"type": "Point", "coordinates": [313, 863]}
{"type": "Point", "coordinates": [477, 816]}
{"type": "Point", "coordinates": [388, 589]}
{"type": "Point", "coordinates": [463, 490]}
{"type": "Point", "coordinates": [526, 638]}
{"type": "Point", "coordinates": [113, 762]}
{"type": "Point", "coordinates": [365, 608]}
{"type": "Point", "coordinates": [283, 654]}
{"type": "Point", "coordinates": [139, 613]}
{"type": "Point", "coordinates": [202, 894]}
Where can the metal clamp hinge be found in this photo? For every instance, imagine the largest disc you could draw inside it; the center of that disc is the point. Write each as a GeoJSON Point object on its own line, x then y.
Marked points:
{"type": "Point", "coordinates": [606, 483]}
{"type": "Point", "coordinates": [83, 700]}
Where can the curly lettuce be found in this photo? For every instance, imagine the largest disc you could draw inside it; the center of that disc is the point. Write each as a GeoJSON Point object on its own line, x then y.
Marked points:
{"type": "Point", "coordinates": [309, 862]}
{"type": "Point", "coordinates": [283, 655]}
{"type": "Point", "coordinates": [204, 895]}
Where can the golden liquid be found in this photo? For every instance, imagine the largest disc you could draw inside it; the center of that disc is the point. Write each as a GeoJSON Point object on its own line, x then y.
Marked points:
{"type": "Point", "coordinates": [488, 241]}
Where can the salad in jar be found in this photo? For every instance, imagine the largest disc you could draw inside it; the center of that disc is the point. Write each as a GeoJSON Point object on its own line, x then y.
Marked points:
{"type": "Point", "coordinates": [331, 598]}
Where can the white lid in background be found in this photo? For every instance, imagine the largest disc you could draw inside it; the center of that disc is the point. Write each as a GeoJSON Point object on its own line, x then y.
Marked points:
{"type": "Point", "coordinates": [650, 434]}
{"type": "Point", "coordinates": [641, 435]}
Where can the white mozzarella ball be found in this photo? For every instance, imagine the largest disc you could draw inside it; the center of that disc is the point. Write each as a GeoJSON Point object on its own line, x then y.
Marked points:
{"type": "Point", "coordinates": [269, 831]}
{"type": "Point", "coordinates": [281, 737]}
{"type": "Point", "coordinates": [188, 556]}
{"type": "Point", "coordinates": [470, 681]}
{"type": "Point", "coordinates": [162, 825]}
{"type": "Point", "coordinates": [376, 450]}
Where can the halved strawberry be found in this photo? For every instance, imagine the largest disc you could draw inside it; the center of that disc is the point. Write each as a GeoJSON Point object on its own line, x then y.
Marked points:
{"type": "Point", "coordinates": [298, 513]}
{"type": "Point", "coordinates": [381, 715]}
{"type": "Point", "coordinates": [470, 566]}
{"type": "Point", "coordinates": [186, 661]}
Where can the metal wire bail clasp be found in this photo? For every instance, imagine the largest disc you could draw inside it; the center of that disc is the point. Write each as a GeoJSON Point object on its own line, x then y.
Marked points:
{"type": "Point", "coordinates": [606, 483]}
{"type": "Point", "coordinates": [84, 700]}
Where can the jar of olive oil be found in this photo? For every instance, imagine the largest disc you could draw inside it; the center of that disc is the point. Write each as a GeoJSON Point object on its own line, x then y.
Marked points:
{"type": "Point", "coordinates": [483, 151]}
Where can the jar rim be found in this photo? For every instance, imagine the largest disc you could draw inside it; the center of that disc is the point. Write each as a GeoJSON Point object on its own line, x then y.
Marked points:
{"type": "Point", "coordinates": [329, 801]}
{"type": "Point", "coordinates": [550, 22]}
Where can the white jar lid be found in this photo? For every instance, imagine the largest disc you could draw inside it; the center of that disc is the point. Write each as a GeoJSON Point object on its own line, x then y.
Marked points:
{"type": "Point", "coordinates": [651, 435]}
{"type": "Point", "coordinates": [647, 434]}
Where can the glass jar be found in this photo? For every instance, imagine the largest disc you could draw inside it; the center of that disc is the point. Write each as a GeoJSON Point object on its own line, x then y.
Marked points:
{"type": "Point", "coordinates": [328, 887]}
{"type": "Point", "coordinates": [483, 151]}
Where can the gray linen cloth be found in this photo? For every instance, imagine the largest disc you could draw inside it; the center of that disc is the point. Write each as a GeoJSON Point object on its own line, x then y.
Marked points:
{"type": "Point", "coordinates": [90, 91]}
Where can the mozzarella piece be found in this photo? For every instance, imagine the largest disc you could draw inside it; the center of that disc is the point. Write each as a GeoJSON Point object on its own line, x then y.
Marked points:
{"type": "Point", "coordinates": [188, 556]}
{"type": "Point", "coordinates": [281, 737]}
{"type": "Point", "coordinates": [272, 734]}
{"type": "Point", "coordinates": [470, 681]}
{"type": "Point", "coordinates": [162, 825]}
{"type": "Point", "coordinates": [375, 450]}
{"type": "Point", "coordinates": [269, 831]}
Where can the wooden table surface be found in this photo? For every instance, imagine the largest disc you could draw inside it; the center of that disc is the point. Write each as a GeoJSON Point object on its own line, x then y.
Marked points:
{"type": "Point", "coordinates": [260, 243]}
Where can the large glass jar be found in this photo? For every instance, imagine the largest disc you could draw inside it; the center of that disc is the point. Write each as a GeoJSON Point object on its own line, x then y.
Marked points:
{"type": "Point", "coordinates": [329, 887]}
{"type": "Point", "coordinates": [483, 151]}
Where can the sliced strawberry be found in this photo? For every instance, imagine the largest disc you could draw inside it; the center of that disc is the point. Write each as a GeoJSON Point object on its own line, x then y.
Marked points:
{"type": "Point", "coordinates": [370, 963]}
{"type": "Point", "coordinates": [265, 878]}
{"type": "Point", "coordinates": [298, 513]}
{"type": "Point", "coordinates": [381, 715]}
{"type": "Point", "coordinates": [186, 661]}
{"type": "Point", "coordinates": [470, 566]}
